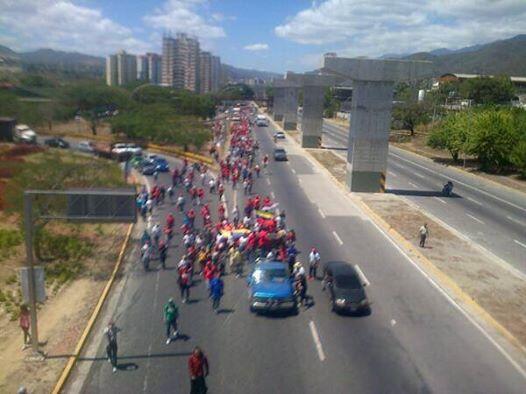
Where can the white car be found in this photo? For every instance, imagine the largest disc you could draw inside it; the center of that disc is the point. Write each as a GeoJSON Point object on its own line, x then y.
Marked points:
{"type": "Point", "coordinates": [134, 149]}
{"type": "Point", "coordinates": [279, 135]}
{"type": "Point", "coordinates": [86, 146]}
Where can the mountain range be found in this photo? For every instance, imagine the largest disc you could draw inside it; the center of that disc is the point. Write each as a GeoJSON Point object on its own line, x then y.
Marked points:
{"type": "Point", "coordinates": [498, 57]}
{"type": "Point", "coordinates": [50, 59]}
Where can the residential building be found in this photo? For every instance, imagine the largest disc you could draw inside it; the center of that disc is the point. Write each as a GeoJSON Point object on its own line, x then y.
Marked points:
{"type": "Point", "coordinates": [154, 68]}
{"type": "Point", "coordinates": [168, 61]}
{"type": "Point", "coordinates": [142, 67]}
{"type": "Point", "coordinates": [205, 72]}
{"type": "Point", "coordinates": [111, 70]}
{"type": "Point", "coordinates": [126, 68]}
{"type": "Point", "coordinates": [216, 74]}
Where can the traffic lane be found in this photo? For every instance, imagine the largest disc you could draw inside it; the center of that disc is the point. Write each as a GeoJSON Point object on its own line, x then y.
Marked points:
{"type": "Point", "coordinates": [356, 348]}
{"type": "Point", "coordinates": [496, 232]}
{"type": "Point", "coordinates": [230, 340]}
{"type": "Point", "coordinates": [511, 202]}
{"type": "Point", "coordinates": [493, 225]}
{"type": "Point", "coordinates": [429, 332]}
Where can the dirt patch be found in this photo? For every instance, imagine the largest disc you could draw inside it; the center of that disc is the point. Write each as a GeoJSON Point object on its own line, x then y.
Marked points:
{"type": "Point", "coordinates": [332, 162]}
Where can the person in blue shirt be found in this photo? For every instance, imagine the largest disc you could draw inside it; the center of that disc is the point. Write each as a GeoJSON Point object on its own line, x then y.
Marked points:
{"type": "Point", "coordinates": [216, 291]}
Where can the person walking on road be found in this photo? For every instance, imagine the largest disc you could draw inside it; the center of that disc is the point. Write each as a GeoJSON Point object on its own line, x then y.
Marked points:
{"type": "Point", "coordinates": [111, 348]}
{"type": "Point", "coordinates": [25, 324]}
{"type": "Point", "coordinates": [198, 368]}
{"type": "Point", "coordinates": [171, 314]}
{"type": "Point", "coordinates": [216, 291]}
{"type": "Point", "coordinates": [424, 232]}
{"type": "Point", "coordinates": [314, 261]}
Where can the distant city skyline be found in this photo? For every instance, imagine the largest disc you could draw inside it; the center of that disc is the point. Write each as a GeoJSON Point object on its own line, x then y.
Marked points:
{"type": "Point", "coordinates": [273, 35]}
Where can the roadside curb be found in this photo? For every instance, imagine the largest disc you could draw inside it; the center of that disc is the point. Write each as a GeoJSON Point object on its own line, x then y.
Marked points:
{"type": "Point", "coordinates": [59, 386]}
{"type": "Point", "coordinates": [443, 280]}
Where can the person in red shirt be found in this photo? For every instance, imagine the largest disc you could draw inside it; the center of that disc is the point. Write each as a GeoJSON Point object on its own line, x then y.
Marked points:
{"type": "Point", "coordinates": [198, 368]}
{"type": "Point", "coordinates": [170, 220]}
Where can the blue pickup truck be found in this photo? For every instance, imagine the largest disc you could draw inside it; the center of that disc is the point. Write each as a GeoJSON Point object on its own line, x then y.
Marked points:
{"type": "Point", "coordinates": [271, 288]}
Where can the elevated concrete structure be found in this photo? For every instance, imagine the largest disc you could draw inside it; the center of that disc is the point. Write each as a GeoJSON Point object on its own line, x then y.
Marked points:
{"type": "Point", "coordinates": [286, 103]}
{"type": "Point", "coordinates": [313, 95]}
{"type": "Point", "coordinates": [373, 82]}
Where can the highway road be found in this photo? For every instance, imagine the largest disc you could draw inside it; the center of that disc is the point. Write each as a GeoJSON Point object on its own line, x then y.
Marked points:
{"type": "Point", "coordinates": [492, 216]}
{"type": "Point", "coordinates": [415, 340]}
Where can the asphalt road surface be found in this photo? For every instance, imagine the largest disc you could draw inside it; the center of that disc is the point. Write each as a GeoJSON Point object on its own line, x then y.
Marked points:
{"type": "Point", "coordinates": [491, 216]}
{"type": "Point", "coordinates": [414, 341]}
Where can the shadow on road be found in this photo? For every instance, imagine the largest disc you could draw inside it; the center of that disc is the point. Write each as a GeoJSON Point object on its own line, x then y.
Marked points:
{"type": "Point", "coordinates": [132, 357]}
{"type": "Point", "coordinates": [420, 193]}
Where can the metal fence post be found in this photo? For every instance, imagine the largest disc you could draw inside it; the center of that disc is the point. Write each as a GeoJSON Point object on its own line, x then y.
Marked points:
{"type": "Point", "coordinates": [28, 229]}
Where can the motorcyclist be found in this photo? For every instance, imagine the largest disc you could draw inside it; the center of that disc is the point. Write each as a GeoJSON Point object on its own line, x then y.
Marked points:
{"type": "Point", "coordinates": [447, 190]}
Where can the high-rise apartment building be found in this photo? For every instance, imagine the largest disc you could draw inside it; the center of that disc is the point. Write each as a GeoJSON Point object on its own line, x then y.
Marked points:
{"type": "Point", "coordinates": [215, 74]}
{"type": "Point", "coordinates": [168, 61]}
{"type": "Point", "coordinates": [121, 69]}
{"type": "Point", "coordinates": [142, 67]}
{"type": "Point", "coordinates": [111, 70]}
{"type": "Point", "coordinates": [154, 68]}
{"type": "Point", "coordinates": [180, 62]}
{"type": "Point", "coordinates": [205, 72]}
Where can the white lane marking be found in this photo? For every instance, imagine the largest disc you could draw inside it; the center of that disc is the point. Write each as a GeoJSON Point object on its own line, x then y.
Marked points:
{"type": "Point", "coordinates": [287, 163]}
{"type": "Point", "coordinates": [519, 243]}
{"type": "Point", "coordinates": [316, 339]}
{"type": "Point", "coordinates": [337, 237]}
{"type": "Point", "coordinates": [462, 183]}
{"type": "Point", "coordinates": [393, 322]}
{"type": "Point", "coordinates": [300, 180]}
{"type": "Point", "coordinates": [272, 195]}
{"type": "Point", "coordinates": [413, 184]}
{"type": "Point", "coordinates": [439, 199]}
{"type": "Point", "coordinates": [293, 170]}
{"type": "Point", "coordinates": [268, 181]}
{"type": "Point", "coordinates": [418, 175]}
{"type": "Point", "coordinates": [392, 174]}
{"type": "Point", "coordinates": [361, 275]}
{"type": "Point", "coordinates": [502, 351]}
{"type": "Point", "coordinates": [474, 201]}
{"type": "Point", "coordinates": [475, 219]}
{"type": "Point", "coordinates": [515, 220]}
{"type": "Point", "coordinates": [321, 213]}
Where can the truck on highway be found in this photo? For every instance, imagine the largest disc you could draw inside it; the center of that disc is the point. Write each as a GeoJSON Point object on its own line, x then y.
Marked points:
{"type": "Point", "coordinates": [24, 134]}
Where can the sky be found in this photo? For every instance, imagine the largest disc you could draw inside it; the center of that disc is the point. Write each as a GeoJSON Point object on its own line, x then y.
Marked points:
{"type": "Point", "coordinates": [271, 35]}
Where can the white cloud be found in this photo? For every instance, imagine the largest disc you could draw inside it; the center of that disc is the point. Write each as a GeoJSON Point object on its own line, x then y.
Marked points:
{"type": "Point", "coordinates": [61, 24]}
{"type": "Point", "coordinates": [375, 27]}
{"type": "Point", "coordinates": [256, 47]}
{"type": "Point", "coordinates": [183, 16]}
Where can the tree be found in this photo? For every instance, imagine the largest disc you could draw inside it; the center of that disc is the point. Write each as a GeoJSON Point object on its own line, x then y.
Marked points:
{"type": "Point", "coordinates": [451, 134]}
{"type": "Point", "coordinates": [410, 114]}
{"type": "Point", "coordinates": [239, 91]}
{"type": "Point", "coordinates": [492, 139]}
{"type": "Point", "coordinates": [331, 105]}
{"type": "Point", "coordinates": [485, 90]}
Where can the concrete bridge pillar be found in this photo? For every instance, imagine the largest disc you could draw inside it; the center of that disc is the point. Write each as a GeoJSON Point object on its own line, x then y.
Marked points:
{"type": "Point", "coordinates": [278, 107]}
{"type": "Point", "coordinates": [373, 82]}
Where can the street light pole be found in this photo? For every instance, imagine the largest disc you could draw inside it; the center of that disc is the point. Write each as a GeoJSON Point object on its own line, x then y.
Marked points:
{"type": "Point", "coordinates": [28, 229]}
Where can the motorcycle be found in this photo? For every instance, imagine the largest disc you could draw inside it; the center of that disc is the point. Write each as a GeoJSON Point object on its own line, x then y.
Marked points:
{"type": "Point", "coordinates": [447, 190]}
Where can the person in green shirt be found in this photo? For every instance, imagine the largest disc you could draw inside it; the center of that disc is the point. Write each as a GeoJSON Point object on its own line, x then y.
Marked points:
{"type": "Point", "coordinates": [171, 313]}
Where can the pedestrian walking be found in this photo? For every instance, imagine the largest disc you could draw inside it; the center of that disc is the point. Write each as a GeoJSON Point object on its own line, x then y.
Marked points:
{"type": "Point", "coordinates": [25, 324]}
{"type": "Point", "coordinates": [314, 261]}
{"type": "Point", "coordinates": [163, 252]}
{"type": "Point", "coordinates": [424, 232]}
{"type": "Point", "coordinates": [111, 348]}
{"type": "Point", "coordinates": [184, 282]}
{"type": "Point", "coordinates": [216, 291]}
{"type": "Point", "coordinates": [198, 368]}
{"type": "Point", "coordinates": [171, 314]}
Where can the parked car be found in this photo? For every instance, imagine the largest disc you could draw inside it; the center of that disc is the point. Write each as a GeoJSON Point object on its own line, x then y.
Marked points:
{"type": "Point", "coordinates": [280, 154]}
{"type": "Point", "coordinates": [271, 288]}
{"type": "Point", "coordinates": [151, 165]}
{"type": "Point", "coordinates": [345, 288]}
{"type": "Point", "coordinates": [86, 146]}
{"type": "Point", "coordinates": [280, 135]}
{"type": "Point", "coordinates": [57, 142]}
